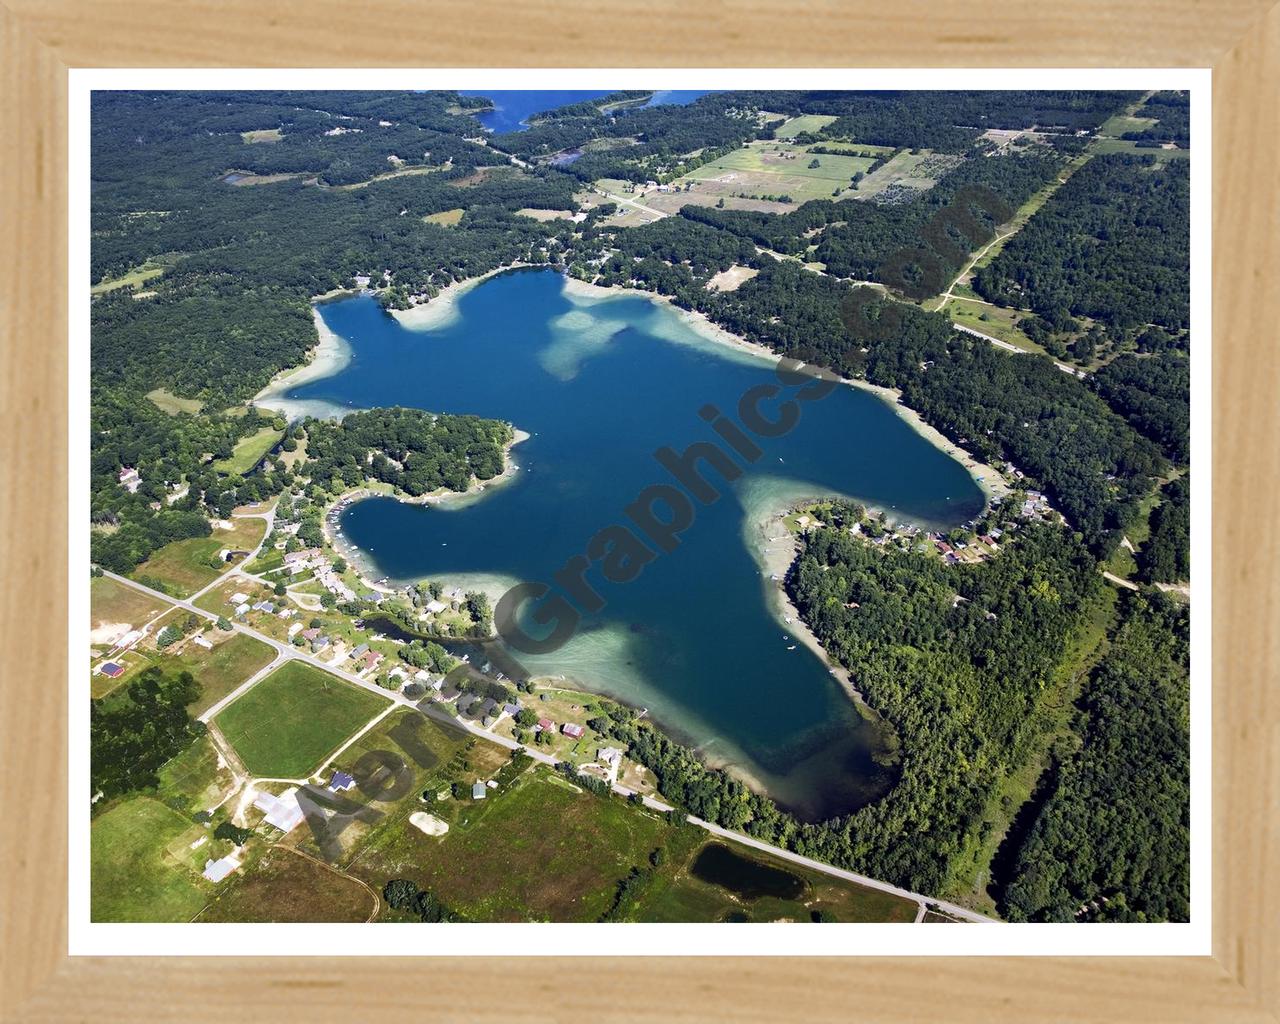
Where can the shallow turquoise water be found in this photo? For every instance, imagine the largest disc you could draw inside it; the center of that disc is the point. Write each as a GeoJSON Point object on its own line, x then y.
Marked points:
{"type": "Point", "coordinates": [601, 384]}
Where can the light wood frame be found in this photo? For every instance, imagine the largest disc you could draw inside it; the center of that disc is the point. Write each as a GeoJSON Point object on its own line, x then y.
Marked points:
{"type": "Point", "coordinates": [41, 39]}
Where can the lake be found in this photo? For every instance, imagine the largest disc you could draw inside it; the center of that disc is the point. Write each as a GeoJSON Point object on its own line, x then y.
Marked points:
{"type": "Point", "coordinates": [512, 109]}
{"type": "Point", "coordinates": [600, 384]}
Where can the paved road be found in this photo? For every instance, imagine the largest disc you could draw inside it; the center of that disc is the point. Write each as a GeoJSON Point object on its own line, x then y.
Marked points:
{"type": "Point", "coordinates": [285, 652]}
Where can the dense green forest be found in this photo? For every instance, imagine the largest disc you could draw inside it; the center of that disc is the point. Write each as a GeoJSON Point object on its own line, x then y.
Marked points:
{"type": "Point", "coordinates": [1112, 841]}
{"type": "Point", "coordinates": [416, 451]}
{"type": "Point", "coordinates": [955, 657]}
{"type": "Point", "coordinates": [1153, 393]}
{"type": "Point", "coordinates": [132, 734]}
{"type": "Point", "coordinates": [1112, 244]}
{"type": "Point", "coordinates": [1166, 555]}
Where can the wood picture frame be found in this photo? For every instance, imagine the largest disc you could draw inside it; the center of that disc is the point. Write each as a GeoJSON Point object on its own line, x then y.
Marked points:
{"type": "Point", "coordinates": [40, 40]}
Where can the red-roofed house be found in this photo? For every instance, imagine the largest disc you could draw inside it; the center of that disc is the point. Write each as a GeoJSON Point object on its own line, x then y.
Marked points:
{"type": "Point", "coordinates": [570, 729]}
{"type": "Point", "coordinates": [545, 724]}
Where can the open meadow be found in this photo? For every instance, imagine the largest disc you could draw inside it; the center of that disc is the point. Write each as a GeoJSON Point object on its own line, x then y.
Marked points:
{"type": "Point", "coordinates": [249, 451]}
{"type": "Point", "coordinates": [183, 567]}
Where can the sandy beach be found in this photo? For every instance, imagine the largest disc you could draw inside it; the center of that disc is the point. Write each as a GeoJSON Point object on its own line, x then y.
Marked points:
{"type": "Point", "coordinates": [442, 311]}
{"type": "Point", "coordinates": [330, 356]}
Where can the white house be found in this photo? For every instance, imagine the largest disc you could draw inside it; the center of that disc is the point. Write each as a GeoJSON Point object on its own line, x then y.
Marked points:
{"type": "Point", "coordinates": [217, 870]}
{"type": "Point", "coordinates": [283, 811]}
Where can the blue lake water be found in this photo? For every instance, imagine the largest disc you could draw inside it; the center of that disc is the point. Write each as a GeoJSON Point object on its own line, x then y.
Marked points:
{"type": "Point", "coordinates": [512, 109]}
{"type": "Point", "coordinates": [600, 384]}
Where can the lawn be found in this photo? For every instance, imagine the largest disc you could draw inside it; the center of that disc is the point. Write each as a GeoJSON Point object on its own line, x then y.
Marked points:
{"type": "Point", "coordinates": [184, 566]}
{"type": "Point", "coordinates": [1133, 149]}
{"type": "Point", "coordinates": [287, 724]}
{"type": "Point", "coordinates": [804, 123]}
{"type": "Point", "coordinates": [285, 886]}
{"type": "Point", "coordinates": [168, 402]}
{"type": "Point", "coordinates": [249, 451]}
{"type": "Point", "coordinates": [1116, 125]}
{"type": "Point", "coordinates": [133, 878]}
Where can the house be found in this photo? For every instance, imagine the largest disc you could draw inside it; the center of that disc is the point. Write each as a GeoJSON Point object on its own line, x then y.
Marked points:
{"type": "Point", "coordinates": [283, 811]}
{"type": "Point", "coordinates": [200, 641]}
{"type": "Point", "coordinates": [129, 479]}
{"type": "Point", "coordinates": [436, 607]}
{"type": "Point", "coordinates": [319, 644]}
{"type": "Point", "coordinates": [311, 634]}
{"type": "Point", "coordinates": [369, 660]}
{"type": "Point", "coordinates": [360, 651]}
{"type": "Point", "coordinates": [128, 640]}
{"type": "Point", "coordinates": [511, 709]}
{"type": "Point", "coordinates": [243, 608]}
{"type": "Point", "coordinates": [486, 709]}
{"type": "Point", "coordinates": [572, 729]}
{"type": "Point", "coordinates": [341, 782]}
{"type": "Point", "coordinates": [478, 791]}
{"type": "Point", "coordinates": [372, 597]}
{"type": "Point", "coordinates": [217, 870]}
{"type": "Point", "coordinates": [465, 701]}
{"type": "Point", "coordinates": [111, 670]}
{"type": "Point", "coordinates": [611, 756]}
{"type": "Point", "coordinates": [294, 629]}
{"type": "Point", "coordinates": [237, 599]}
{"type": "Point", "coordinates": [546, 724]}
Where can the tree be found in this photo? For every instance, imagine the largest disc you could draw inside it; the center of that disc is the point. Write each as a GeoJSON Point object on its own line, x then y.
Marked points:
{"type": "Point", "coordinates": [224, 623]}
{"type": "Point", "coordinates": [400, 893]}
{"type": "Point", "coordinates": [280, 589]}
{"type": "Point", "coordinates": [226, 830]}
{"type": "Point", "coordinates": [814, 163]}
{"type": "Point", "coordinates": [339, 565]}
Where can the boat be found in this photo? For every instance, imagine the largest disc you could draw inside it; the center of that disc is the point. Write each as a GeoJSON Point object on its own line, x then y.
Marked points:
{"type": "Point", "coordinates": [792, 647]}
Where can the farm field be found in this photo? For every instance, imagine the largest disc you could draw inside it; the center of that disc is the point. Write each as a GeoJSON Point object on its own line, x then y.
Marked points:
{"type": "Point", "coordinates": [1116, 125]}
{"type": "Point", "coordinates": [249, 451]}
{"type": "Point", "coordinates": [803, 123]}
{"type": "Point", "coordinates": [918, 172]}
{"type": "Point", "coordinates": [287, 724]}
{"type": "Point", "coordinates": [193, 781]}
{"type": "Point", "coordinates": [183, 567]}
{"type": "Point", "coordinates": [287, 886]}
{"type": "Point", "coordinates": [777, 169]}
{"type": "Point", "coordinates": [167, 402]}
{"type": "Point", "coordinates": [134, 878]}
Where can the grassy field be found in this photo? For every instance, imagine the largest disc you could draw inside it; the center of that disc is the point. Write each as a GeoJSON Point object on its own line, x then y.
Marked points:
{"type": "Point", "coordinates": [540, 851]}
{"type": "Point", "coordinates": [134, 279]}
{"type": "Point", "coordinates": [184, 566]}
{"type": "Point", "coordinates": [133, 876]}
{"type": "Point", "coordinates": [286, 886]}
{"type": "Point", "coordinates": [287, 724]}
{"type": "Point", "coordinates": [1133, 149]}
{"type": "Point", "coordinates": [222, 669]}
{"type": "Point", "coordinates": [262, 135]}
{"type": "Point", "coordinates": [194, 781]}
{"type": "Point", "coordinates": [804, 123]}
{"type": "Point", "coordinates": [113, 602]}
{"type": "Point", "coordinates": [776, 169]}
{"type": "Point", "coordinates": [993, 320]}
{"type": "Point", "coordinates": [167, 402]}
{"type": "Point", "coordinates": [446, 218]}
{"type": "Point", "coordinates": [249, 451]}
{"type": "Point", "coordinates": [1116, 125]}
